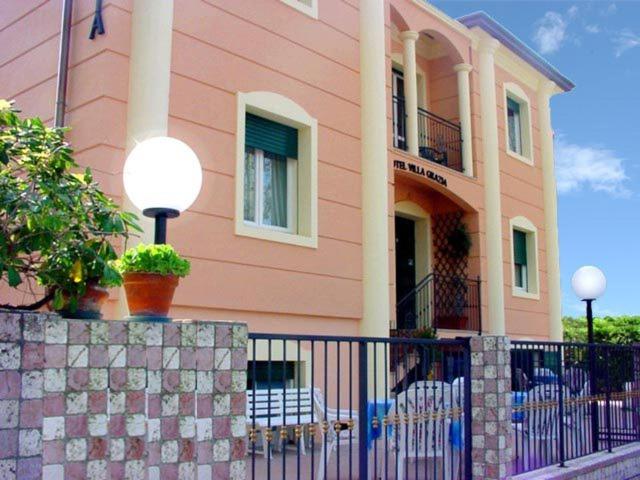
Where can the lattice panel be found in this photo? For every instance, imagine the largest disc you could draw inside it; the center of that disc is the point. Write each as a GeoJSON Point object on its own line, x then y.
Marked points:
{"type": "Point", "coordinates": [450, 291]}
{"type": "Point", "coordinates": [443, 264]}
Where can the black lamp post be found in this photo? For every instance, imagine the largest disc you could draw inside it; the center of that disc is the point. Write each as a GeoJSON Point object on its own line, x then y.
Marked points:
{"type": "Point", "coordinates": [160, 215]}
{"type": "Point", "coordinates": [162, 177]}
{"type": "Point", "coordinates": [589, 283]}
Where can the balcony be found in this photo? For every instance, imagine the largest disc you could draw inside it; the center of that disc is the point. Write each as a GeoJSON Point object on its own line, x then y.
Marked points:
{"type": "Point", "coordinates": [439, 140]}
{"type": "Point", "coordinates": [440, 301]}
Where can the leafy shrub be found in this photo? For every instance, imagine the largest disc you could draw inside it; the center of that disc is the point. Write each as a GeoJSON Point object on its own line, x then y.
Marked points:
{"type": "Point", "coordinates": [160, 259]}
{"type": "Point", "coordinates": [622, 330]}
{"type": "Point", "coordinates": [56, 226]}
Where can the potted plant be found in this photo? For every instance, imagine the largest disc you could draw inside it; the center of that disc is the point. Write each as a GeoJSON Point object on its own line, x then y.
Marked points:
{"type": "Point", "coordinates": [151, 274]}
{"type": "Point", "coordinates": [56, 225]}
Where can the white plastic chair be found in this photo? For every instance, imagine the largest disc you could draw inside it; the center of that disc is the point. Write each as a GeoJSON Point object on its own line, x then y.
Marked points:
{"type": "Point", "coordinates": [541, 425]}
{"type": "Point", "coordinates": [277, 408]}
{"type": "Point", "coordinates": [425, 433]}
{"type": "Point", "coordinates": [333, 438]}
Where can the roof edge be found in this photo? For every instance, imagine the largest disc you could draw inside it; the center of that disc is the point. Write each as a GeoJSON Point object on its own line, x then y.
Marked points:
{"type": "Point", "coordinates": [492, 27]}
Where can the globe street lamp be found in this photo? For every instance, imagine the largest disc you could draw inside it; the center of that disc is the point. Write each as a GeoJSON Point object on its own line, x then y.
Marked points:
{"type": "Point", "coordinates": [162, 177]}
{"type": "Point", "coordinates": [589, 283]}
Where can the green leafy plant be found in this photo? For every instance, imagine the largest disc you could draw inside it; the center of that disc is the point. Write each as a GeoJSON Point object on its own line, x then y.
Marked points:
{"type": "Point", "coordinates": [424, 333]}
{"type": "Point", "coordinates": [56, 225]}
{"type": "Point", "coordinates": [622, 330]}
{"type": "Point", "coordinates": [160, 259]}
{"type": "Point", "coordinates": [459, 241]}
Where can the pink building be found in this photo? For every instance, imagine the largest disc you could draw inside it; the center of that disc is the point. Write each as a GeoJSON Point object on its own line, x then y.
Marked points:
{"type": "Point", "coordinates": [368, 166]}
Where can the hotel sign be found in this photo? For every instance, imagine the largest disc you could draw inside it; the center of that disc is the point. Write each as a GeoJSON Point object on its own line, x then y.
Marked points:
{"type": "Point", "coordinates": [419, 170]}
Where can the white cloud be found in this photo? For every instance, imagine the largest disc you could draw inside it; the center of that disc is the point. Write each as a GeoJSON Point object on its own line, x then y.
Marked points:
{"type": "Point", "coordinates": [595, 168]}
{"type": "Point", "coordinates": [625, 40]}
{"type": "Point", "coordinates": [550, 32]}
{"type": "Point", "coordinates": [610, 10]}
{"type": "Point", "coordinates": [592, 28]}
{"type": "Point", "coordinates": [573, 11]}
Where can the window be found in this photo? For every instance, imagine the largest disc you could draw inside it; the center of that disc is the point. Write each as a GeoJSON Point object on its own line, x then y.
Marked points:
{"type": "Point", "coordinates": [520, 260]}
{"type": "Point", "coordinates": [308, 7]}
{"type": "Point", "coordinates": [514, 126]}
{"type": "Point", "coordinates": [270, 178]}
{"type": "Point", "coordinates": [399, 114]}
{"type": "Point", "coordinates": [524, 251]}
{"type": "Point", "coordinates": [276, 170]}
{"type": "Point", "coordinates": [518, 123]}
{"type": "Point", "coordinates": [273, 375]}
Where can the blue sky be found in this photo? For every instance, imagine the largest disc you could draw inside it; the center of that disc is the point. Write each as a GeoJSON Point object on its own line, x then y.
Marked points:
{"type": "Point", "coordinates": [597, 130]}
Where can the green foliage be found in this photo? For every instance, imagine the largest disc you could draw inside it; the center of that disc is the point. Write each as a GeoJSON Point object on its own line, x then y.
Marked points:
{"type": "Point", "coordinates": [623, 330]}
{"type": "Point", "coordinates": [459, 241]}
{"type": "Point", "coordinates": [160, 259]}
{"type": "Point", "coordinates": [425, 333]}
{"type": "Point", "coordinates": [56, 226]}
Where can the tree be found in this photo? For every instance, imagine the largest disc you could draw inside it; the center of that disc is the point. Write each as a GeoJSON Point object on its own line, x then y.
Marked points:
{"type": "Point", "coordinates": [56, 226]}
{"type": "Point", "coordinates": [622, 330]}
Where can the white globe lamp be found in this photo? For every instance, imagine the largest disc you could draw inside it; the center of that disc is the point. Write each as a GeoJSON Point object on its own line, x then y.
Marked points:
{"type": "Point", "coordinates": [162, 177]}
{"type": "Point", "coordinates": [589, 283]}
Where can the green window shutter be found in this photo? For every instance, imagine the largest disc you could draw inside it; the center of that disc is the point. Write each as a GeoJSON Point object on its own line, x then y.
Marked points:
{"type": "Point", "coordinates": [271, 136]}
{"type": "Point", "coordinates": [513, 106]}
{"type": "Point", "coordinates": [519, 247]}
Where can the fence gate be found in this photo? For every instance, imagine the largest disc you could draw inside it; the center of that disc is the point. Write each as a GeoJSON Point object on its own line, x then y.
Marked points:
{"type": "Point", "coordinates": [327, 407]}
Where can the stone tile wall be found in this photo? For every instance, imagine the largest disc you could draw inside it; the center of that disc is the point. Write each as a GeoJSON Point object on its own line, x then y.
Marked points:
{"type": "Point", "coordinates": [116, 399]}
{"type": "Point", "coordinates": [490, 407]}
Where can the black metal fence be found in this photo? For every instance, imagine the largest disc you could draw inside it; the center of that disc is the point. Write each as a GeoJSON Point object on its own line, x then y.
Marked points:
{"type": "Point", "coordinates": [571, 399]}
{"type": "Point", "coordinates": [441, 301]}
{"type": "Point", "coordinates": [321, 407]}
{"type": "Point", "coordinates": [439, 140]}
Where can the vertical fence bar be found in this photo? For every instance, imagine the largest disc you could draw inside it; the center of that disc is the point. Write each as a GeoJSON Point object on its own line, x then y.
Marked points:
{"type": "Point", "coordinates": [561, 411]}
{"type": "Point", "coordinates": [467, 411]}
{"type": "Point", "coordinates": [363, 423]}
{"type": "Point", "coordinates": [607, 408]}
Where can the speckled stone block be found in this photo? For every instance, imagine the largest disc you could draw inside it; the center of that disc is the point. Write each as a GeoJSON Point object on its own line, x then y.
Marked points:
{"type": "Point", "coordinates": [490, 407]}
{"type": "Point", "coordinates": [117, 399]}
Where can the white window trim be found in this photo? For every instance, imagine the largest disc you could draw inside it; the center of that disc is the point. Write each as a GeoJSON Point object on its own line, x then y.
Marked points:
{"type": "Point", "coordinates": [311, 10]}
{"type": "Point", "coordinates": [283, 110]}
{"type": "Point", "coordinates": [516, 93]}
{"type": "Point", "coordinates": [533, 276]}
{"type": "Point", "coordinates": [292, 195]}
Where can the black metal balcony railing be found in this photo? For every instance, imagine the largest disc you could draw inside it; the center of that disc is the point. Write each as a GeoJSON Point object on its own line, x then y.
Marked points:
{"type": "Point", "coordinates": [440, 301]}
{"type": "Point", "coordinates": [439, 140]}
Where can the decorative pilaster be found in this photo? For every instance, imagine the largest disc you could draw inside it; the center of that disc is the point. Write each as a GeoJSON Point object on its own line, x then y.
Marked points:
{"type": "Point", "coordinates": [375, 187]}
{"type": "Point", "coordinates": [464, 109]}
{"type": "Point", "coordinates": [545, 91]}
{"type": "Point", "coordinates": [409, 39]}
{"type": "Point", "coordinates": [492, 207]}
{"type": "Point", "coordinates": [148, 99]}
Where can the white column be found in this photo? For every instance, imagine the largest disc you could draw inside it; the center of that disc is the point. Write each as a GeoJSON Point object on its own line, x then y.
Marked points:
{"type": "Point", "coordinates": [375, 203]}
{"type": "Point", "coordinates": [149, 77]}
{"type": "Point", "coordinates": [545, 91]}
{"type": "Point", "coordinates": [492, 207]}
{"type": "Point", "coordinates": [409, 39]}
{"type": "Point", "coordinates": [464, 108]}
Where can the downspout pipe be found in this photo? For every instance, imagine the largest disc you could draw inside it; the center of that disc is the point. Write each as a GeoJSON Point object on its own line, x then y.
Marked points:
{"type": "Point", "coordinates": [63, 62]}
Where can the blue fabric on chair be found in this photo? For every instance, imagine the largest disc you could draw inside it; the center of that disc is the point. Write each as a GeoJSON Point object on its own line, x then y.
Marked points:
{"type": "Point", "coordinates": [518, 399]}
{"type": "Point", "coordinates": [456, 436]}
{"type": "Point", "coordinates": [379, 409]}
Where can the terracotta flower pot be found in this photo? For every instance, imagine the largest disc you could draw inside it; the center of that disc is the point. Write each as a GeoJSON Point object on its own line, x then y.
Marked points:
{"type": "Point", "coordinates": [89, 305]}
{"type": "Point", "coordinates": [149, 294]}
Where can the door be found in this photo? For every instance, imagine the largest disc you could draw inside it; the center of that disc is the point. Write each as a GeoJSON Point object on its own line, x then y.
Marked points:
{"type": "Point", "coordinates": [399, 112]}
{"type": "Point", "coordinates": [405, 271]}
